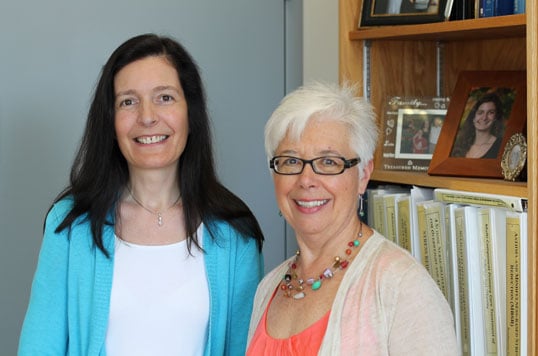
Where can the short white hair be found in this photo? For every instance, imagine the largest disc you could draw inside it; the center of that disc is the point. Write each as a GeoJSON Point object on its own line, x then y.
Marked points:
{"type": "Point", "coordinates": [324, 101]}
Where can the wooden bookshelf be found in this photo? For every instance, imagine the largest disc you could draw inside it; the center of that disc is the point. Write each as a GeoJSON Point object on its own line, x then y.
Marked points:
{"type": "Point", "coordinates": [484, 28]}
{"type": "Point", "coordinates": [459, 183]}
{"type": "Point", "coordinates": [403, 62]}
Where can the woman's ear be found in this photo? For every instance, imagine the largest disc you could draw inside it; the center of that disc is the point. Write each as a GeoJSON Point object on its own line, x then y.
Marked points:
{"type": "Point", "coordinates": [364, 176]}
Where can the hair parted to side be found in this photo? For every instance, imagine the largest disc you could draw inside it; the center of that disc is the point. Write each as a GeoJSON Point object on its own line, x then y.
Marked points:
{"type": "Point", "coordinates": [100, 173]}
{"type": "Point", "coordinates": [324, 101]}
{"type": "Point", "coordinates": [467, 133]}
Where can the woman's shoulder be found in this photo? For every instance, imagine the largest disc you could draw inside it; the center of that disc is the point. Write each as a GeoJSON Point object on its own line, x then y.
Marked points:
{"type": "Point", "coordinates": [389, 267]}
{"type": "Point", "coordinates": [222, 233]}
{"type": "Point", "coordinates": [59, 209]}
{"type": "Point", "coordinates": [219, 228]}
{"type": "Point", "coordinates": [63, 203]}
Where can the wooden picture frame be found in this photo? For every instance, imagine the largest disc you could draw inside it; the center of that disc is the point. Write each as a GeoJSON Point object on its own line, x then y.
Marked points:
{"type": "Point", "coordinates": [458, 152]}
{"type": "Point", "coordinates": [401, 12]}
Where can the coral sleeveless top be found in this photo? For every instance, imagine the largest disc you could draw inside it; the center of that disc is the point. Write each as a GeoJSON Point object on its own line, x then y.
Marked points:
{"type": "Point", "coordinates": [307, 342]}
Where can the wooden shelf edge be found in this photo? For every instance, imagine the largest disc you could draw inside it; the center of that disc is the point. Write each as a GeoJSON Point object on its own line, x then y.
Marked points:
{"type": "Point", "coordinates": [489, 27]}
{"type": "Point", "coordinates": [495, 186]}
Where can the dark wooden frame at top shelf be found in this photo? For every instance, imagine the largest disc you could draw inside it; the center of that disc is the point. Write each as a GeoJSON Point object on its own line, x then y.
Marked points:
{"type": "Point", "coordinates": [489, 27]}
{"type": "Point", "coordinates": [483, 28]}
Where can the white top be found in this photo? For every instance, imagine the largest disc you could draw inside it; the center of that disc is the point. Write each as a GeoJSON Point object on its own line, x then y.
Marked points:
{"type": "Point", "coordinates": [159, 303]}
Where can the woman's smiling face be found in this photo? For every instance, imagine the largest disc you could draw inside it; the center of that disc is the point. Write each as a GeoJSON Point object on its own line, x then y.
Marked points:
{"type": "Point", "coordinates": [313, 203]}
{"type": "Point", "coordinates": [485, 116]}
{"type": "Point", "coordinates": [151, 117]}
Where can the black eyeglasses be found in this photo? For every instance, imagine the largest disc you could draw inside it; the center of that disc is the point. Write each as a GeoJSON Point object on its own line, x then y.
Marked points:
{"type": "Point", "coordinates": [326, 165]}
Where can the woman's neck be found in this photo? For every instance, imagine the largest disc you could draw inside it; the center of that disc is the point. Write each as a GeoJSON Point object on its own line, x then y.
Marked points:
{"type": "Point", "coordinates": [316, 249]}
{"type": "Point", "coordinates": [483, 138]}
{"type": "Point", "coordinates": [155, 189]}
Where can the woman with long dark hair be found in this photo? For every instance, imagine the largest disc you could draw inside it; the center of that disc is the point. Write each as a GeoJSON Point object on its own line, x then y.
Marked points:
{"type": "Point", "coordinates": [481, 133]}
{"type": "Point", "coordinates": [145, 252]}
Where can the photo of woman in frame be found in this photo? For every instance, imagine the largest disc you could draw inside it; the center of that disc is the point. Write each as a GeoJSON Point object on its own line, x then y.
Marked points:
{"type": "Point", "coordinates": [486, 108]}
{"type": "Point", "coordinates": [483, 124]}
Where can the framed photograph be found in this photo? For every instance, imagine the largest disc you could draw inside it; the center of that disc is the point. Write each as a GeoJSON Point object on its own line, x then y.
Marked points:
{"type": "Point", "coordinates": [486, 109]}
{"type": "Point", "coordinates": [411, 129]}
{"type": "Point", "coordinates": [418, 132]}
{"type": "Point", "coordinates": [401, 12]}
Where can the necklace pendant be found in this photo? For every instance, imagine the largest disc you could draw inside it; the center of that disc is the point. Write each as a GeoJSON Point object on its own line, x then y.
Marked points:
{"type": "Point", "coordinates": [328, 273]}
{"type": "Point", "coordinates": [159, 219]}
{"type": "Point", "coordinates": [316, 285]}
{"type": "Point", "coordinates": [299, 295]}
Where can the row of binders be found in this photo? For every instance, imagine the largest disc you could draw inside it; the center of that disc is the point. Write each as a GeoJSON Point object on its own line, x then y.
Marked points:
{"type": "Point", "coordinates": [474, 245]}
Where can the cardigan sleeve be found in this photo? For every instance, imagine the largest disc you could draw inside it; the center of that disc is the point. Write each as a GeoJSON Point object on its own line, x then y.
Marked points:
{"type": "Point", "coordinates": [248, 273]}
{"type": "Point", "coordinates": [44, 330]}
{"type": "Point", "coordinates": [234, 268]}
{"type": "Point", "coordinates": [422, 315]}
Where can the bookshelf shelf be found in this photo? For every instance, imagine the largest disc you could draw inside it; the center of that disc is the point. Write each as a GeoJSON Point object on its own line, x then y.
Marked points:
{"type": "Point", "coordinates": [403, 62]}
{"type": "Point", "coordinates": [457, 183]}
{"type": "Point", "coordinates": [491, 27]}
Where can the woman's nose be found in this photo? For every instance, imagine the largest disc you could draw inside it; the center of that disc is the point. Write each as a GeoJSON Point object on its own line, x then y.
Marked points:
{"type": "Point", "coordinates": [307, 178]}
{"type": "Point", "coordinates": [147, 116]}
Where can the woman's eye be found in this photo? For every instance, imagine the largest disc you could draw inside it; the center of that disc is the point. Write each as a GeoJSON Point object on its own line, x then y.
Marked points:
{"type": "Point", "coordinates": [166, 98]}
{"type": "Point", "coordinates": [290, 161]}
{"type": "Point", "coordinates": [126, 102]}
{"type": "Point", "coordinates": [329, 162]}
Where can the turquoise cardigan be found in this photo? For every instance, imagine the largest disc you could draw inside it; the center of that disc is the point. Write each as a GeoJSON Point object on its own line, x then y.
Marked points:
{"type": "Point", "coordinates": [69, 302]}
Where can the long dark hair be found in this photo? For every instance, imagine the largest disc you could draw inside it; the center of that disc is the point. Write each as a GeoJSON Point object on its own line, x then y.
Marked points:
{"type": "Point", "coordinates": [99, 173]}
{"type": "Point", "coordinates": [467, 134]}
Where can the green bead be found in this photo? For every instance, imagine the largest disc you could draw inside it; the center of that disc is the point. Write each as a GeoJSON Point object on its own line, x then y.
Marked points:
{"type": "Point", "coordinates": [316, 285]}
{"type": "Point", "coordinates": [356, 243]}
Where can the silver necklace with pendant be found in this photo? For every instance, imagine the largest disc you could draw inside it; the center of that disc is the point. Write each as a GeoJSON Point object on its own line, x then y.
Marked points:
{"type": "Point", "coordinates": [159, 214]}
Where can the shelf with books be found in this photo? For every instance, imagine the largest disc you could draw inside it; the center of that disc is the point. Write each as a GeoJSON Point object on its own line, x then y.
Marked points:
{"type": "Point", "coordinates": [487, 27]}
{"type": "Point", "coordinates": [403, 61]}
{"type": "Point", "coordinates": [484, 279]}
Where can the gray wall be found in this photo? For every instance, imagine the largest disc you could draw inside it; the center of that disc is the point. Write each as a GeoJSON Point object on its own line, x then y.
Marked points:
{"type": "Point", "coordinates": [320, 43]}
{"type": "Point", "coordinates": [51, 53]}
{"type": "Point", "coordinates": [319, 58]}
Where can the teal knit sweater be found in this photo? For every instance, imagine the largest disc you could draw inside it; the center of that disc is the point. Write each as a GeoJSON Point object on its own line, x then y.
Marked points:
{"type": "Point", "coordinates": [69, 303]}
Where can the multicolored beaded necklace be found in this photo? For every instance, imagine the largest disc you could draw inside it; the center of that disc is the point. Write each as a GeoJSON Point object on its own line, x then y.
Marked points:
{"type": "Point", "coordinates": [297, 291]}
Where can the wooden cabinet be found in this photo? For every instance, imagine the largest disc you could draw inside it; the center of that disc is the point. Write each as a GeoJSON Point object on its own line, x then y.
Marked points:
{"type": "Point", "coordinates": [403, 61]}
